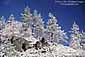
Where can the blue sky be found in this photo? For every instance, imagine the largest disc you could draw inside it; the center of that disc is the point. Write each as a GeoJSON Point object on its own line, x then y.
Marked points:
{"type": "Point", "coordinates": [66, 15]}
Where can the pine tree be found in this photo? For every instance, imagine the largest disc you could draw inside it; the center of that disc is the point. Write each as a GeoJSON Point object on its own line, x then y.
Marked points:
{"type": "Point", "coordinates": [11, 17]}
{"type": "Point", "coordinates": [13, 25]}
{"type": "Point", "coordinates": [54, 30]}
{"type": "Point", "coordinates": [26, 17]}
{"type": "Point", "coordinates": [2, 26]}
{"type": "Point", "coordinates": [64, 38]}
{"type": "Point", "coordinates": [82, 42]}
{"type": "Point", "coordinates": [51, 26]}
{"type": "Point", "coordinates": [10, 25]}
{"type": "Point", "coordinates": [37, 25]}
{"type": "Point", "coordinates": [2, 22]}
{"type": "Point", "coordinates": [75, 36]}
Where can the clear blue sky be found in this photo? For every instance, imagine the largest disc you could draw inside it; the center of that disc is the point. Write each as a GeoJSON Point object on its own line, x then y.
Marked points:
{"type": "Point", "coordinates": [66, 14]}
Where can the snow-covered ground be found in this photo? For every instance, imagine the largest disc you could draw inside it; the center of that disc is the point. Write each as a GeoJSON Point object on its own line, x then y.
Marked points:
{"type": "Point", "coordinates": [51, 51]}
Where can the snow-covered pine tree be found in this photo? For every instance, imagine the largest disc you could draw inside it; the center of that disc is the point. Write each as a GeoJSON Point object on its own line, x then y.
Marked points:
{"type": "Point", "coordinates": [9, 26]}
{"type": "Point", "coordinates": [51, 27]}
{"type": "Point", "coordinates": [75, 36]}
{"type": "Point", "coordinates": [37, 25]}
{"type": "Point", "coordinates": [54, 30]}
{"type": "Point", "coordinates": [26, 17]}
{"type": "Point", "coordinates": [11, 17]}
{"type": "Point", "coordinates": [2, 22]}
{"type": "Point", "coordinates": [12, 27]}
{"type": "Point", "coordinates": [52, 23]}
{"type": "Point", "coordinates": [64, 38]}
{"type": "Point", "coordinates": [2, 26]}
{"type": "Point", "coordinates": [82, 43]}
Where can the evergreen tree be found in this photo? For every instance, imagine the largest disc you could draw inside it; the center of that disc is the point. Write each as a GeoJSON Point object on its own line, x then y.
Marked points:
{"type": "Point", "coordinates": [2, 26]}
{"type": "Point", "coordinates": [82, 42]}
{"type": "Point", "coordinates": [37, 25]}
{"type": "Point", "coordinates": [51, 26]}
{"type": "Point", "coordinates": [11, 17]}
{"type": "Point", "coordinates": [2, 22]}
{"type": "Point", "coordinates": [75, 36]}
{"type": "Point", "coordinates": [10, 25]}
{"type": "Point", "coordinates": [27, 17]}
{"type": "Point", "coordinates": [54, 30]}
{"type": "Point", "coordinates": [64, 38]}
{"type": "Point", "coordinates": [13, 26]}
